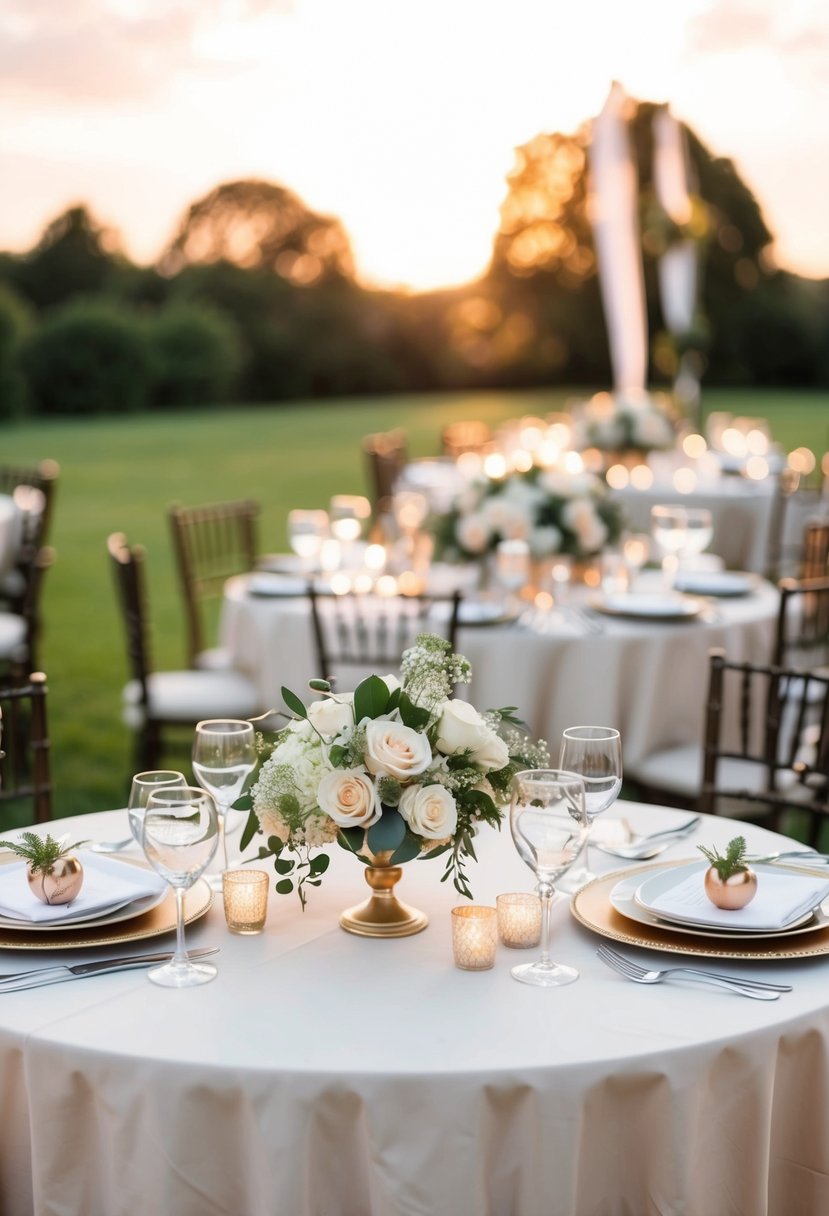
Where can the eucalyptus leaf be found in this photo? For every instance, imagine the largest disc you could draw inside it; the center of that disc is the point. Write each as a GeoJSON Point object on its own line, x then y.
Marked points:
{"type": "Point", "coordinates": [371, 697]}
{"type": "Point", "coordinates": [387, 832]}
{"type": "Point", "coordinates": [351, 839]}
{"type": "Point", "coordinates": [436, 852]}
{"type": "Point", "coordinates": [407, 851]}
{"type": "Point", "coordinates": [394, 700]}
{"type": "Point", "coordinates": [248, 831]}
{"type": "Point", "coordinates": [283, 865]}
{"type": "Point", "coordinates": [319, 685]}
{"type": "Point", "coordinates": [294, 704]}
{"type": "Point", "coordinates": [284, 886]}
{"type": "Point", "coordinates": [243, 803]}
{"type": "Point", "coordinates": [320, 863]}
{"type": "Point", "coordinates": [412, 715]}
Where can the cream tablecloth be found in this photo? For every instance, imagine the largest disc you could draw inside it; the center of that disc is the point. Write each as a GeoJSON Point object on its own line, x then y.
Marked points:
{"type": "Point", "coordinates": [649, 679]}
{"type": "Point", "coordinates": [327, 1074]}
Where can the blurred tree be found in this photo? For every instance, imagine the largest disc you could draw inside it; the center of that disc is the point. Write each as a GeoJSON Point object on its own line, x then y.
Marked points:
{"type": "Point", "coordinates": [74, 256]}
{"type": "Point", "coordinates": [88, 357]}
{"type": "Point", "coordinates": [259, 225]}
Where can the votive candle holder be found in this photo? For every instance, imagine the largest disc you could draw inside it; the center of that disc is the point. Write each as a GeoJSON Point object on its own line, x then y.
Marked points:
{"type": "Point", "coordinates": [519, 920]}
{"type": "Point", "coordinates": [245, 895]}
{"type": "Point", "coordinates": [474, 937]}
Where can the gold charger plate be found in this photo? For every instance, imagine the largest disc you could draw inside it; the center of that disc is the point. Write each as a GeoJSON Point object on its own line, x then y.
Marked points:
{"type": "Point", "coordinates": [592, 908]}
{"type": "Point", "coordinates": [154, 923]}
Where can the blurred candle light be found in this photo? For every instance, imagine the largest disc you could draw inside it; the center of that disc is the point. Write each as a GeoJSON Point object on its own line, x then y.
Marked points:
{"type": "Point", "coordinates": [641, 477]}
{"type": "Point", "coordinates": [340, 583]}
{"type": "Point", "coordinates": [375, 559]}
{"type": "Point", "coordinates": [386, 585]}
{"type": "Point", "coordinates": [522, 460]}
{"type": "Point", "coordinates": [733, 441]}
{"type": "Point", "coordinates": [694, 446]}
{"type": "Point", "coordinates": [470, 464]}
{"type": "Point", "coordinates": [573, 462]}
{"type": "Point", "coordinates": [559, 433]}
{"type": "Point", "coordinates": [495, 465]}
{"type": "Point", "coordinates": [757, 468]}
{"type": "Point", "coordinates": [330, 555]}
{"type": "Point", "coordinates": [757, 442]}
{"type": "Point", "coordinates": [685, 480]}
{"type": "Point", "coordinates": [410, 583]}
{"type": "Point", "coordinates": [363, 583]}
{"type": "Point", "coordinates": [617, 476]}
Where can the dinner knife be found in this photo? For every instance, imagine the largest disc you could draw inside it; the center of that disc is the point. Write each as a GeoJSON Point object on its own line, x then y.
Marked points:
{"type": "Point", "coordinates": [79, 971]}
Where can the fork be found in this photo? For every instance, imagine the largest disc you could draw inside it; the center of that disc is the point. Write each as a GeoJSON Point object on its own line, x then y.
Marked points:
{"type": "Point", "coordinates": [758, 989]}
{"type": "Point", "coordinates": [818, 859]}
{"type": "Point", "coordinates": [112, 846]}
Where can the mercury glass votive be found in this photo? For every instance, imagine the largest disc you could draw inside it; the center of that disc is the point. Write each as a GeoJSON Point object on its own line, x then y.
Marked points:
{"type": "Point", "coordinates": [474, 937]}
{"type": "Point", "coordinates": [519, 920]}
{"type": "Point", "coordinates": [245, 894]}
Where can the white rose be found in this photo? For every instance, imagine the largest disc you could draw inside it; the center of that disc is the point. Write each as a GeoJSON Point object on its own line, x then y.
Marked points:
{"type": "Point", "coordinates": [331, 716]}
{"type": "Point", "coordinates": [460, 728]}
{"type": "Point", "coordinates": [429, 810]}
{"type": "Point", "coordinates": [492, 754]}
{"type": "Point", "coordinates": [396, 750]}
{"type": "Point", "coordinates": [473, 533]}
{"type": "Point", "coordinates": [349, 797]}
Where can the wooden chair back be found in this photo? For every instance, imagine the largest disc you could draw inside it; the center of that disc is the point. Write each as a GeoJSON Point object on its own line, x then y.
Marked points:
{"type": "Point", "coordinates": [211, 543]}
{"type": "Point", "coordinates": [802, 631]}
{"type": "Point", "coordinates": [25, 767]}
{"type": "Point", "coordinates": [128, 567]}
{"type": "Point", "coordinates": [368, 633]}
{"type": "Point", "coordinates": [386, 454]}
{"type": "Point", "coordinates": [782, 737]}
{"type": "Point", "coordinates": [814, 561]}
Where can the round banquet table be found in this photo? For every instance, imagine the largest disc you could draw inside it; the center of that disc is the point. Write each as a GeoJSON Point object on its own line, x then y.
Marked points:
{"type": "Point", "coordinates": [326, 1073]}
{"type": "Point", "coordinates": [647, 678]}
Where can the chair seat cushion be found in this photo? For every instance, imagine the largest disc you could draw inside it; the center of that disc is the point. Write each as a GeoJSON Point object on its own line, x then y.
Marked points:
{"type": "Point", "coordinates": [190, 696]}
{"type": "Point", "coordinates": [12, 636]}
{"type": "Point", "coordinates": [218, 658]}
{"type": "Point", "coordinates": [678, 770]}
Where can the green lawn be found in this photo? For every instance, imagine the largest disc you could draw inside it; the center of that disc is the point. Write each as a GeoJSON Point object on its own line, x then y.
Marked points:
{"type": "Point", "coordinates": [121, 473]}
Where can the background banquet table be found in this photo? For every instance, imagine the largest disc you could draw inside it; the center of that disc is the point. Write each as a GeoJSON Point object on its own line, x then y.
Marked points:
{"type": "Point", "coordinates": [325, 1073]}
{"type": "Point", "coordinates": [649, 679]}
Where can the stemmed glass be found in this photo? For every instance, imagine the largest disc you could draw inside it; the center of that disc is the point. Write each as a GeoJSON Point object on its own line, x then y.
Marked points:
{"type": "Point", "coordinates": [179, 835]}
{"type": "Point", "coordinates": [306, 532]}
{"type": "Point", "coordinates": [548, 821]}
{"type": "Point", "coordinates": [670, 531]}
{"type": "Point", "coordinates": [699, 524]}
{"type": "Point", "coordinates": [595, 753]}
{"type": "Point", "coordinates": [224, 756]}
{"type": "Point", "coordinates": [348, 514]}
{"type": "Point", "coordinates": [142, 786]}
{"type": "Point", "coordinates": [512, 569]}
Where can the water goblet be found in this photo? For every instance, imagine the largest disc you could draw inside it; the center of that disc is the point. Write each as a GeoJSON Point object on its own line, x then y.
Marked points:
{"type": "Point", "coordinates": [669, 525]}
{"type": "Point", "coordinates": [306, 532]}
{"type": "Point", "coordinates": [636, 549]}
{"type": "Point", "coordinates": [141, 787]}
{"type": "Point", "coordinates": [699, 532]}
{"type": "Point", "coordinates": [179, 835]}
{"type": "Point", "coordinates": [348, 514]}
{"type": "Point", "coordinates": [595, 753]}
{"type": "Point", "coordinates": [224, 756]}
{"type": "Point", "coordinates": [512, 568]}
{"type": "Point", "coordinates": [548, 821]}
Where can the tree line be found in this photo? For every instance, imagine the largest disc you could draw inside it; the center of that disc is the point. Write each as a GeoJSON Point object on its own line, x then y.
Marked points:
{"type": "Point", "coordinates": [255, 299]}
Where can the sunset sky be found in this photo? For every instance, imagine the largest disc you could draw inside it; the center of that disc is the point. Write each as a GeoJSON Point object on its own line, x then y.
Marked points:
{"type": "Point", "coordinates": [401, 118]}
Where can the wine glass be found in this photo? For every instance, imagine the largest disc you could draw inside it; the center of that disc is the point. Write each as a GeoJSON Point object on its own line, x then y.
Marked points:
{"type": "Point", "coordinates": [699, 531]}
{"type": "Point", "coordinates": [548, 821]}
{"type": "Point", "coordinates": [670, 531]}
{"type": "Point", "coordinates": [595, 753]}
{"type": "Point", "coordinates": [348, 514]}
{"type": "Point", "coordinates": [179, 835]}
{"type": "Point", "coordinates": [512, 569]}
{"type": "Point", "coordinates": [224, 756]}
{"type": "Point", "coordinates": [306, 532]}
{"type": "Point", "coordinates": [142, 786]}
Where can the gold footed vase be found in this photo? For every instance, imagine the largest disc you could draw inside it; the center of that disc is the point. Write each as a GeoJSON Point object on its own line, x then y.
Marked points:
{"type": "Point", "coordinates": [382, 914]}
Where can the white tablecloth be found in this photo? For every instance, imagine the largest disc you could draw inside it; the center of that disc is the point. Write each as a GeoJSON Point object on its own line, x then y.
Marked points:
{"type": "Point", "coordinates": [648, 679]}
{"type": "Point", "coordinates": [325, 1073]}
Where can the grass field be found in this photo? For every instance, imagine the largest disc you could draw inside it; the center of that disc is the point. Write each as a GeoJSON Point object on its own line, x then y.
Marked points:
{"type": "Point", "coordinates": [120, 474]}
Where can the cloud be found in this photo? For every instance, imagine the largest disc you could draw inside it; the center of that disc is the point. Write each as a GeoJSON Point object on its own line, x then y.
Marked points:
{"type": "Point", "coordinates": [96, 50]}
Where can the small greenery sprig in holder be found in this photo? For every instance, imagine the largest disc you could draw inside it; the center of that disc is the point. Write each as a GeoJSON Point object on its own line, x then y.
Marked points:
{"type": "Point", "coordinates": [40, 852]}
{"type": "Point", "coordinates": [730, 882]}
{"type": "Point", "coordinates": [53, 874]}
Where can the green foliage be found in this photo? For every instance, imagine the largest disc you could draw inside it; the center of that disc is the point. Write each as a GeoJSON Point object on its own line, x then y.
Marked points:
{"type": "Point", "coordinates": [732, 861]}
{"type": "Point", "coordinates": [41, 852]}
{"type": "Point", "coordinates": [15, 323]}
{"type": "Point", "coordinates": [196, 355]}
{"type": "Point", "coordinates": [88, 357]}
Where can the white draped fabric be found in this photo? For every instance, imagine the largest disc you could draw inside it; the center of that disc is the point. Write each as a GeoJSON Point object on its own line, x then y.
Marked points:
{"type": "Point", "coordinates": [678, 265]}
{"type": "Point", "coordinates": [614, 212]}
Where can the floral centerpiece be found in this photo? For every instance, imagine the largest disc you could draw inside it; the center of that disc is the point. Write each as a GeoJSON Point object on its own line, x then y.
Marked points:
{"type": "Point", "coordinates": [625, 421]}
{"type": "Point", "coordinates": [392, 772]}
{"type": "Point", "coordinates": [555, 512]}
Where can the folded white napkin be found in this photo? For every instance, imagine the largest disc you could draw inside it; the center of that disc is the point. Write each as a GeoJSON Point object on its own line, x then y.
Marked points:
{"type": "Point", "coordinates": [780, 900]}
{"type": "Point", "coordinates": [108, 884]}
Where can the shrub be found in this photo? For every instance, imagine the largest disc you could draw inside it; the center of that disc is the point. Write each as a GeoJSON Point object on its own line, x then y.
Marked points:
{"type": "Point", "coordinates": [196, 354]}
{"type": "Point", "coordinates": [89, 357]}
{"type": "Point", "coordinates": [15, 321]}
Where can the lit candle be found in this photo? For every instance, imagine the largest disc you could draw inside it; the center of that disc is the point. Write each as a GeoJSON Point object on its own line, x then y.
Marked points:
{"type": "Point", "coordinates": [519, 920]}
{"type": "Point", "coordinates": [474, 937]}
{"type": "Point", "coordinates": [245, 895]}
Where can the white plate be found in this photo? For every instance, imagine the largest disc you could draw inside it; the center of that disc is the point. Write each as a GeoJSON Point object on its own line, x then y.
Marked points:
{"type": "Point", "coordinates": [284, 563]}
{"type": "Point", "coordinates": [623, 898]}
{"type": "Point", "coordinates": [714, 582]}
{"type": "Point", "coordinates": [112, 916]}
{"type": "Point", "coordinates": [648, 607]}
{"type": "Point", "coordinates": [661, 882]}
{"type": "Point", "coordinates": [269, 583]}
{"type": "Point", "coordinates": [484, 612]}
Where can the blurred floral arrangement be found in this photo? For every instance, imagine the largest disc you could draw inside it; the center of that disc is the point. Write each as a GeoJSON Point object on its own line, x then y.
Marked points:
{"type": "Point", "coordinates": [624, 421]}
{"type": "Point", "coordinates": [393, 770]}
{"type": "Point", "coordinates": [553, 511]}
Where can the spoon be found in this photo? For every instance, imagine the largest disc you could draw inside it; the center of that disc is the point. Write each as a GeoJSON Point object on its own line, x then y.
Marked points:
{"type": "Point", "coordinates": [644, 847]}
{"type": "Point", "coordinates": [112, 846]}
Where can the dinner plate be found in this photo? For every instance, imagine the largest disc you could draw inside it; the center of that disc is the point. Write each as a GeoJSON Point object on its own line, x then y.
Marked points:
{"type": "Point", "coordinates": [485, 612]}
{"type": "Point", "coordinates": [721, 583]}
{"type": "Point", "coordinates": [270, 583]}
{"type": "Point", "coordinates": [659, 883]}
{"type": "Point", "coordinates": [154, 923]}
{"type": "Point", "coordinates": [623, 899]}
{"type": "Point", "coordinates": [136, 907]}
{"type": "Point", "coordinates": [285, 563]}
{"type": "Point", "coordinates": [592, 907]}
{"type": "Point", "coordinates": [648, 607]}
